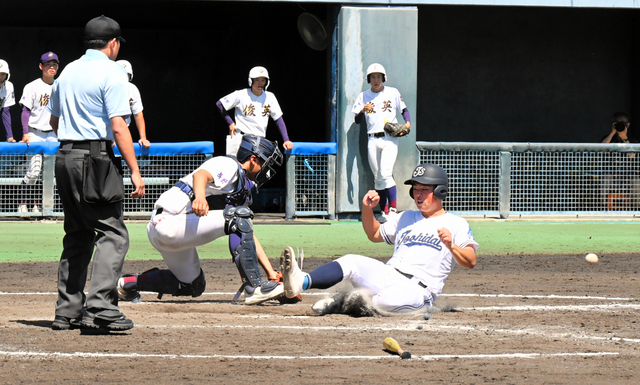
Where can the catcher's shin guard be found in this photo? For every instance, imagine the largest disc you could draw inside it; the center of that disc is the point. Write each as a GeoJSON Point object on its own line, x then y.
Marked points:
{"type": "Point", "coordinates": [245, 256]}
{"type": "Point", "coordinates": [164, 282]}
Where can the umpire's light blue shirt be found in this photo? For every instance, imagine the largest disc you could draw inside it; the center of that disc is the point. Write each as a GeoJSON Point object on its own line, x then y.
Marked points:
{"type": "Point", "coordinates": [87, 94]}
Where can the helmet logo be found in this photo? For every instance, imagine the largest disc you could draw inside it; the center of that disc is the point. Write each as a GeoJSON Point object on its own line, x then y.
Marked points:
{"type": "Point", "coordinates": [419, 171]}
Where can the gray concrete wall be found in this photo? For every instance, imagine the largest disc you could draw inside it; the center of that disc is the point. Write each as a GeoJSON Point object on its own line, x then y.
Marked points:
{"type": "Point", "coordinates": [373, 35]}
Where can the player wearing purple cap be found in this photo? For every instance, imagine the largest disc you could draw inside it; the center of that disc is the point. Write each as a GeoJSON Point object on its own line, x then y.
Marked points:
{"type": "Point", "coordinates": [35, 121]}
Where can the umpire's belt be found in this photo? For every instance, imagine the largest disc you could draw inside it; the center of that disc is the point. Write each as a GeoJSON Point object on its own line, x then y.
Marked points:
{"type": "Point", "coordinates": [84, 144]}
{"type": "Point", "coordinates": [377, 135]}
{"type": "Point", "coordinates": [411, 276]}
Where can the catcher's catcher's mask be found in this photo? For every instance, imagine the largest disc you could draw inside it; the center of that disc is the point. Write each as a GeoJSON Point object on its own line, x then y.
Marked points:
{"type": "Point", "coordinates": [264, 149]}
{"type": "Point", "coordinates": [430, 174]}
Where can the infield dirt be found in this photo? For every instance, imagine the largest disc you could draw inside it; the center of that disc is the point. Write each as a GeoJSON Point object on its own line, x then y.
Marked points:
{"type": "Point", "coordinates": [515, 319]}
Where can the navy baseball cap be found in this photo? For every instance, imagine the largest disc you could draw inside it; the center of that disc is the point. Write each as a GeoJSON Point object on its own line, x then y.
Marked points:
{"type": "Point", "coordinates": [48, 57]}
{"type": "Point", "coordinates": [102, 28]}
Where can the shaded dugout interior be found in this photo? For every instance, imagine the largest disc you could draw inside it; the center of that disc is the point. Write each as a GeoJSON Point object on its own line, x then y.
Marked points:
{"type": "Point", "coordinates": [486, 73]}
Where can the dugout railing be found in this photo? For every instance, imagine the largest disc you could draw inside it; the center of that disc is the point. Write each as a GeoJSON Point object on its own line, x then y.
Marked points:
{"type": "Point", "coordinates": [311, 180]}
{"type": "Point", "coordinates": [538, 178]}
{"type": "Point", "coordinates": [161, 165]}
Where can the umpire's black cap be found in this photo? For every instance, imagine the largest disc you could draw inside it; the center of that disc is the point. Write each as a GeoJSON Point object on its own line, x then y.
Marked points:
{"type": "Point", "coordinates": [102, 28]}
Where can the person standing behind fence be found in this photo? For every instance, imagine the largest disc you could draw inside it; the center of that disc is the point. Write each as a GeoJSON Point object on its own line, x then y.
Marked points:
{"type": "Point", "coordinates": [135, 101]}
{"type": "Point", "coordinates": [7, 99]}
{"type": "Point", "coordinates": [35, 119]}
{"type": "Point", "coordinates": [619, 130]}
{"type": "Point", "coordinates": [378, 106]}
{"type": "Point", "coordinates": [88, 105]}
{"type": "Point", "coordinates": [253, 106]}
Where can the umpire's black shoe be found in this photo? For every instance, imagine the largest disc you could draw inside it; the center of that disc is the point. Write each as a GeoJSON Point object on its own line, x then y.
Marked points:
{"type": "Point", "coordinates": [64, 323]}
{"type": "Point", "coordinates": [111, 320]}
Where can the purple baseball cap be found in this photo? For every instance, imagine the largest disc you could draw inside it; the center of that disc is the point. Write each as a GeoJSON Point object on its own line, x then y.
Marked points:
{"type": "Point", "coordinates": [102, 28]}
{"type": "Point", "coordinates": [49, 56]}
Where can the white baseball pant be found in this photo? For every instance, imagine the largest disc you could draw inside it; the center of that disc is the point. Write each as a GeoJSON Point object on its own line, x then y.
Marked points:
{"type": "Point", "coordinates": [176, 237]}
{"type": "Point", "coordinates": [382, 153]}
{"type": "Point", "coordinates": [35, 163]}
{"type": "Point", "coordinates": [390, 291]}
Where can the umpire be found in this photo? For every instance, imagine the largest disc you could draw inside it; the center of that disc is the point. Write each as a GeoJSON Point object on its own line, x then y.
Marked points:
{"type": "Point", "coordinates": [88, 104]}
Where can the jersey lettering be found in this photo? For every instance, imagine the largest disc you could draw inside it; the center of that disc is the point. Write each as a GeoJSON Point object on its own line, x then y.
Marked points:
{"type": "Point", "coordinates": [386, 106]}
{"type": "Point", "coordinates": [44, 99]}
{"type": "Point", "coordinates": [249, 110]}
{"type": "Point", "coordinates": [266, 110]}
{"type": "Point", "coordinates": [2, 101]}
{"type": "Point", "coordinates": [222, 179]}
{"type": "Point", "coordinates": [420, 240]}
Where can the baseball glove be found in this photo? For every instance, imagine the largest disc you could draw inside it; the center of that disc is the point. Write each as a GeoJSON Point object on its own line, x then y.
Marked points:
{"type": "Point", "coordinates": [283, 299]}
{"type": "Point", "coordinates": [396, 129]}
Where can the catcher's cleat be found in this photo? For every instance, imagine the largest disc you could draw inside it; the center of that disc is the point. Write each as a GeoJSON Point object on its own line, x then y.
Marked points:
{"type": "Point", "coordinates": [293, 276]}
{"type": "Point", "coordinates": [325, 306]}
{"type": "Point", "coordinates": [266, 291]}
{"type": "Point", "coordinates": [127, 290]}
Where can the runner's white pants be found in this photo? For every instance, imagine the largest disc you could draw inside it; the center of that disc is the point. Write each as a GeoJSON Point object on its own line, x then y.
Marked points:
{"type": "Point", "coordinates": [390, 291]}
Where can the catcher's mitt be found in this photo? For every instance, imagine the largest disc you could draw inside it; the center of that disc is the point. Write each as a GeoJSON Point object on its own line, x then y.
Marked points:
{"type": "Point", "coordinates": [396, 129]}
{"type": "Point", "coordinates": [283, 299]}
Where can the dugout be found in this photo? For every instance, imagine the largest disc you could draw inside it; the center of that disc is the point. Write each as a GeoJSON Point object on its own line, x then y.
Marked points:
{"type": "Point", "coordinates": [486, 71]}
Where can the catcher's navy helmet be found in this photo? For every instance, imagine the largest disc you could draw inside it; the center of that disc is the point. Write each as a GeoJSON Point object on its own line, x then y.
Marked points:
{"type": "Point", "coordinates": [430, 174]}
{"type": "Point", "coordinates": [264, 149]}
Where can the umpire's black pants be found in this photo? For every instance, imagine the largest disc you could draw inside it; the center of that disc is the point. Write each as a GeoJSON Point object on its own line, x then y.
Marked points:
{"type": "Point", "coordinates": [86, 225]}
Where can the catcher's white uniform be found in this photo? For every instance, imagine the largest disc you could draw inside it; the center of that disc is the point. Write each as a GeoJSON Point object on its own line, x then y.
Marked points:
{"type": "Point", "coordinates": [418, 252]}
{"type": "Point", "coordinates": [252, 114]}
{"type": "Point", "coordinates": [135, 102]}
{"type": "Point", "coordinates": [382, 149]}
{"type": "Point", "coordinates": [176, 231]}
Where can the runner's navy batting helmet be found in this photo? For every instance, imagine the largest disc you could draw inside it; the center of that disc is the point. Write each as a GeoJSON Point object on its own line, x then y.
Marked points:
{"type": "Point", "coordinates": [430, 174]}
{"type": "Point", "coordinates": [264, 149]}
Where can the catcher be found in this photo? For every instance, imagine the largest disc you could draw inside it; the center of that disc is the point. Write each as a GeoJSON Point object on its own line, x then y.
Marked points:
{"type": "Point", "coordinates": [205, 205]}
{"type": "Point", "coordinates": [379, 106]}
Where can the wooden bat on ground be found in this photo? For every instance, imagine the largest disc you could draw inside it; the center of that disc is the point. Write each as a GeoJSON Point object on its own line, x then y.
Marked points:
{"type": "Point", "coordinates": [391, 345]}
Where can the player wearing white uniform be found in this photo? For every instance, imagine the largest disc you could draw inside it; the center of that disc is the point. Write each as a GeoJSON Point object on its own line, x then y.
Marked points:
{"type": "Point", "coordinates": [135, 102]}
{"type": "Point", "coordinates": [378, 106]}
{"type": "Point", "coordinates": [35, 119]}
{"type": "Point", "coordinates": [203, 206]}
{"type": "Point", "coordinates": [252, 109]}
{"type": "Point", "coordinates": [7, 99]}
{"type": "Point", "coordinates": [426, 242]}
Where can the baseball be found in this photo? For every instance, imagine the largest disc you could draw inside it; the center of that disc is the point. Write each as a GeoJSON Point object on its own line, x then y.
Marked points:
{"type": "Point", "coordinates": [591, 258]}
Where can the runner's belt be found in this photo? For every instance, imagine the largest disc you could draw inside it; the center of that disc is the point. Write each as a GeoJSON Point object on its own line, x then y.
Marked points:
{"type": "Point", "coordinates": [411, 276]}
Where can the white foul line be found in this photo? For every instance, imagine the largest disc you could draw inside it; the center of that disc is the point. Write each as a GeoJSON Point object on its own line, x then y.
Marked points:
{"type": "Point", "coordinates": [40, 355]}
{"type": "Point", "coordinates": [550, 296]}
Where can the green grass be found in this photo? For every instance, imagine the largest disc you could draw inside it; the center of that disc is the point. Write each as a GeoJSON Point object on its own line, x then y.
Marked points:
{"type": "Point", "coordinates": [42, 241]}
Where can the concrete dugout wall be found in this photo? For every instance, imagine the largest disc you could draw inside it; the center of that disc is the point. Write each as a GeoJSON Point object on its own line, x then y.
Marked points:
{"type": "Point", "coordinates": [388, 36]}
